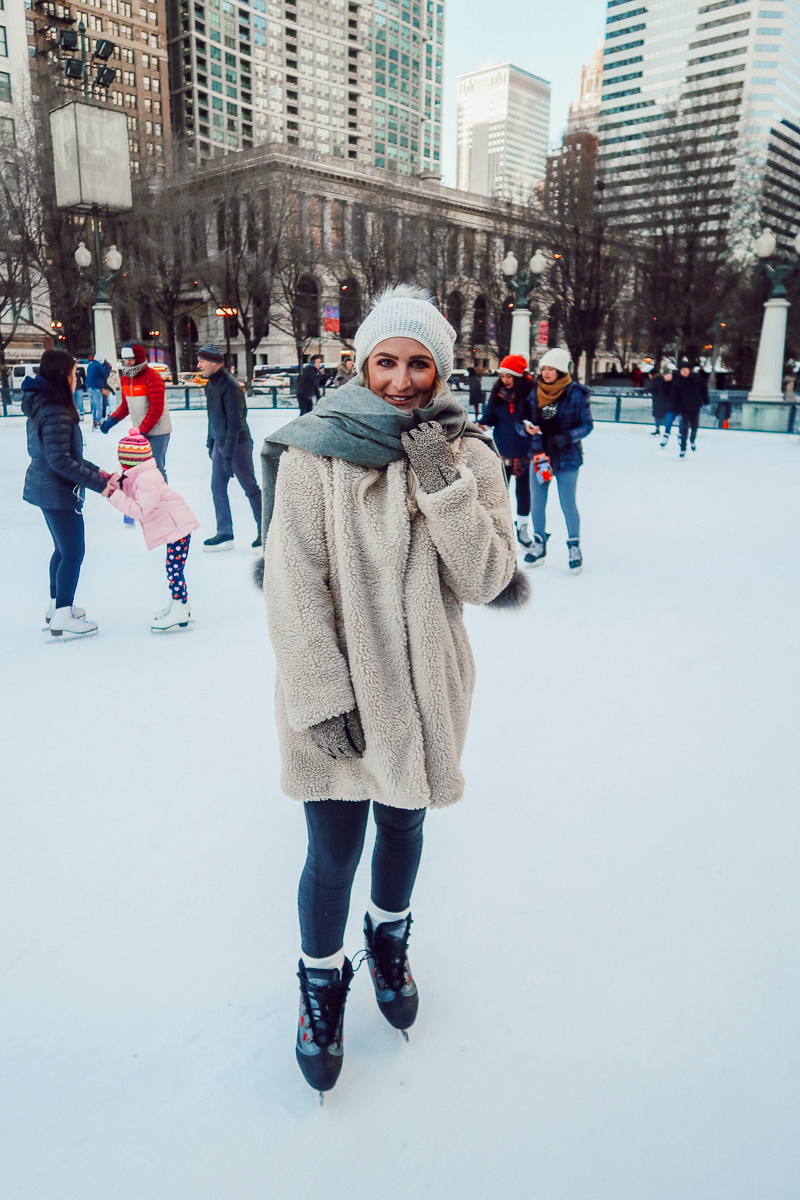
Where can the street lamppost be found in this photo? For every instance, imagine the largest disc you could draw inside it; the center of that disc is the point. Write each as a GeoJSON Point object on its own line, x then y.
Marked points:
{"type": "Point", "coordinates": [763, 409]}
{"type": "Point", "coordinates": [227, 313]}
{"type": "Point", "coordinates": [104, 343]}
{"type": "Point", "coordinates": [521, 285]}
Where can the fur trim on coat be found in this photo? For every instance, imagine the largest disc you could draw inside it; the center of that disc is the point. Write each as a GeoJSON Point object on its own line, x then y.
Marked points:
{"type": "Point", "coordinates": [364, 591]}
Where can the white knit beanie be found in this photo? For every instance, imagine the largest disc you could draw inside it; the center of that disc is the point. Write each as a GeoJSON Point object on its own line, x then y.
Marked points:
{"type": "Point", "coordinates": [407, 311]}
{"type": "Point", "coordinates": [556, 358]}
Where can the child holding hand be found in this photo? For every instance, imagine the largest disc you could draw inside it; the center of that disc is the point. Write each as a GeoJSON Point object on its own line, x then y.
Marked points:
{"type": "Point", "coordinates": [142, 493]}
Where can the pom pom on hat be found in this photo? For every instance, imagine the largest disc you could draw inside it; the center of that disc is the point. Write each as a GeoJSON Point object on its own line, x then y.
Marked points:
{"type": "Point", "coordinates": [557, 358]}
{"type": "Point", "coordinates": [133, 449]}
{"type": "Point", "coordinates": [407, 311]}
{"type": "Point", "coordinates": [513, 364]}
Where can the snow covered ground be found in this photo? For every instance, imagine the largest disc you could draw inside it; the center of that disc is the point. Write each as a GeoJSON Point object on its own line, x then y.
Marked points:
{"type": "Point", "coordinates": [606, 929]}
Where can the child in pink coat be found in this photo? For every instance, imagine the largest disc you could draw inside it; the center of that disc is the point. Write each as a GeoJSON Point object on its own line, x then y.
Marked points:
{"type": "Point", "coordinates": [166, 519]}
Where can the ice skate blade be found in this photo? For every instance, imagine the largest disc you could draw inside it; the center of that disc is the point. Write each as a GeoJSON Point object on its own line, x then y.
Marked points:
{"type": "Point", "coordinates": [63, 635]}
{"type": "Point", "coordinates": [172, 628]}
{"type": "Point", "coordinates": [322, 1099]}
{"type": "Point", "coordinates": [405, 1035]}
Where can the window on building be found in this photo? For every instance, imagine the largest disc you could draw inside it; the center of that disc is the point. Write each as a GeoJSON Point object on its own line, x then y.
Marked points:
{"type": "Point", "coordinates": [8, 135]}
{"type": "Point", "coordinates": [3, 42]}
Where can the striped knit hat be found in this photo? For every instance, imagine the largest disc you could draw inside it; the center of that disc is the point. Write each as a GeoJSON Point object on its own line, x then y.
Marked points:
{"type": "Point", "coordinates": [133, 449]}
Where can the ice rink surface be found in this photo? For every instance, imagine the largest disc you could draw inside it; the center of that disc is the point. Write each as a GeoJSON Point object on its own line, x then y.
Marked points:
{"type": "Point", "coordinates": [606, 928]}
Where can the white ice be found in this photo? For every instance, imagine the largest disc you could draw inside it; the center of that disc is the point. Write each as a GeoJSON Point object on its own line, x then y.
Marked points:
{"type": "Point", "coordinates": [606, 928]}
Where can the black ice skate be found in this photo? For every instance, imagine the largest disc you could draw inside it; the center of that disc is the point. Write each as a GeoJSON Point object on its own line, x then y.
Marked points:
{"type": "Point", "coordinates": [320, 1026]}
{"type": "Point", "coordinates": [387, 955]}
{"type": "Point", "coordinates": [537, 551]}
{"type": "Point", "coordinates": [575, 557]}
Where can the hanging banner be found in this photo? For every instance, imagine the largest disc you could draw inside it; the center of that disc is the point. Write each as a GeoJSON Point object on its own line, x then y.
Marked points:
{"type": "Point", "coordinates": [543, 333]}
{"type": "Point", "coordinates": [330, 318]}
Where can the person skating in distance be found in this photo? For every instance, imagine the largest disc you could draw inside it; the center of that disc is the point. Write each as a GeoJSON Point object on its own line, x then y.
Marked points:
{"type": "Point", "coordinates": [510, 414]}
{"type": "Point", "coordinates": [230, 446]}
{"type": "Point", "coordinates": [144, 401]}
{"type": "Point", "coordinates": [385, 510]}
{"type": "Point", "coordinates": [563, 420]}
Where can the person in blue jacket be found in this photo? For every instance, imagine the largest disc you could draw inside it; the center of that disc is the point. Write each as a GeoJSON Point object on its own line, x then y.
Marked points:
{"type": "Point", "coordinates": [97, 374]}
{"type": "Point", "coordinates": [563, 418]}
{"type": "Point", "coordinates": [509, 413]}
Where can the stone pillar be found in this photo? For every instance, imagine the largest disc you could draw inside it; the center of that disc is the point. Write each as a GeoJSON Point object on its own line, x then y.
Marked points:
{"type": "Point", "coordinates": [521, 333]}
{"type": "Point", "coordinates": [765, 405]}
{"type": "Point", "coordinates": [104, 345]}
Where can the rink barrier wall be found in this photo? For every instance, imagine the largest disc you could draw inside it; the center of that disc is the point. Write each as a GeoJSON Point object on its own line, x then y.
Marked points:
{"type": "Point", "coordinates": [619, 405]}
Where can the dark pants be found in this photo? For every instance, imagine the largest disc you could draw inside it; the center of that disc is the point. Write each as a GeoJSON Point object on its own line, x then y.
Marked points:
{"type": "Point", "coordinates": [305, 404]}
{"type": "Point", "coordinates": [523, 486]}
{"type": "Point", "coordinates": [243, 470]}
{"type": "Point", "coordinates": [177, 553]}
{"type": "Point", "coordinates": [336, 830]}
{"type": "Point", "coordinates": [66, 529]}
{"type": "Point", "coordinates": [158, 444]}
{"type": "Point", "coordinates": [689, 421]}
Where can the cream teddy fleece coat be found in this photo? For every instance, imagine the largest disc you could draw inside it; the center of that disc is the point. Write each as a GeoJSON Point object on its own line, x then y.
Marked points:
{"type": "Point", "coordinates": [364, 596]}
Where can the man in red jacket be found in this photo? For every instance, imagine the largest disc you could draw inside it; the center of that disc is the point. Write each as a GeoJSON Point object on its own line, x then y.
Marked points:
{"type": "Point", "coordinates": [143, 400]}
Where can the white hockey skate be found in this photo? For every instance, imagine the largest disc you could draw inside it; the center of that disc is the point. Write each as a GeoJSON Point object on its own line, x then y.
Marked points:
{"type": "Point", "coordinates": [51, 612]}
{"type": "Point", "coordinates": [177, 615]}
{"type": "Point", "coordinates": [66, 623]}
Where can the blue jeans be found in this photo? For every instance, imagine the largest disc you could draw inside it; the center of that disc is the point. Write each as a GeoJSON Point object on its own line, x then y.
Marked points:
{"type": "Point", "coordinates": [66, 530]}
{"type": "Point", "coordinates": [668, 423]}
{"type": "Point", "coordinates": [242, 463]}
{"type": "Point", "coordinates": [567, 482]}
{"type": "Point", "coordinates": [158, 444]}
{"type": "Point", "coordinates": [78, 399]}
{"type": "Point", "coordinates": [96, 401]}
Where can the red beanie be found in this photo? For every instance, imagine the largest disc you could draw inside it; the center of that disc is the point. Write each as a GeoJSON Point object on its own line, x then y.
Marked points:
{"type": "Point", "coordinates": [513, 364]}
{"type": "Point", "coordinates": [138, 351]}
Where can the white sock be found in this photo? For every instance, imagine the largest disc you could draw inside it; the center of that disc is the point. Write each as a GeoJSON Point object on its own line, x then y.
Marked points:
{"type": "Point", "coordinates": [379, 915]}
{"type": "Point", "coordinates": [334, 962]}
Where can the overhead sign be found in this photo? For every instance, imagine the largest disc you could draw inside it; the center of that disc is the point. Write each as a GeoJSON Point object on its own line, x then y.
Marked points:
{"type": "Point", "coordinates": [91, 157]}
{"type": "Point", "coordinates": [330, 318]}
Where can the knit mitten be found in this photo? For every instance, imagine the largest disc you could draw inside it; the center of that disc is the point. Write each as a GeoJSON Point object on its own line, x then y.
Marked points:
{"type": "Point", "coordinates": [341, 737]}
{"type": "Point", "coordinates": [430, 455]}
{"type": "Point", "coordinates": [542, 469]}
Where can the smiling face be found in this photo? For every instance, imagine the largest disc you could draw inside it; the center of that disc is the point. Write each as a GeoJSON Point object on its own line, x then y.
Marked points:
{"type": "Point", "coordinates": [402, 372]}
{"type": "Point", "coordinates": [207, 368]}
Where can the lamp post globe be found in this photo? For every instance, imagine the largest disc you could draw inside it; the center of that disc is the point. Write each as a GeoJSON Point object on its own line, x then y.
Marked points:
{"type": "Point", "coordinates": [766, 244]}
{"type": "Point", "coordinates": [538, 263]}
{"type": "Point", "coordinates": [83, 256]}
{"type": "Point", "coordinates": [114, 259]}
{"type": "Point", "coordinates": [509, 264]}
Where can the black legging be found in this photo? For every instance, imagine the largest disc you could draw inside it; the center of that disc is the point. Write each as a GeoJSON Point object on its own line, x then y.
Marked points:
{"type": "Point", "coordinates": [523, 489]}
{"type": "Point", "coordinates": [336, 830]}
{"type": "Point", "coordinates": [66, 528]}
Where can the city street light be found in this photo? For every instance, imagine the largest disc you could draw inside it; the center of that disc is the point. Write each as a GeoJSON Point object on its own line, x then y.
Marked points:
{"type": "Point", "coordinates": [113, 260]}
{"type": "Point", "coordinates": [764, 407]}
{"type": "Point", "coordinates": [520, 284]}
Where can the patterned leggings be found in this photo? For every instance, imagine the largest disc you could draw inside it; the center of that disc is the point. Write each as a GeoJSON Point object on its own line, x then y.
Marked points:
{"type": "Point", "coordinates": [177, 553]}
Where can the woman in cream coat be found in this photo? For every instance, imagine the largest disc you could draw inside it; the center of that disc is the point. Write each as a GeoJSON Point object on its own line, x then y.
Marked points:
{"type": "Point", "coordinates": [386, 511]}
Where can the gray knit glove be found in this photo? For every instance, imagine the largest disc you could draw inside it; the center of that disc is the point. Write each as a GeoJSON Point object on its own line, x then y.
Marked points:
{"type": "Point", "coordinates": [341, 737]}
{"type": "Point", "coordinates": [430, 455]}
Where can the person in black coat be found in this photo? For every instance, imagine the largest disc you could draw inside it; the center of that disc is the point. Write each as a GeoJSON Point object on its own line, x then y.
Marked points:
{"type": "Point", "coordinates": [308, 385]}
{"type": "Point", "coordinates": [56, 481]}
{"type": "Point", "coordinates": [230, 445]}
{"type": "Point", "coordinates": [476, 393]}
{"type": "Point", "coordinates": [660, 388]}
{"type": "Point", "coordinates": [509, 414]}
{"type": "Point", "coordinates": [688, 393]}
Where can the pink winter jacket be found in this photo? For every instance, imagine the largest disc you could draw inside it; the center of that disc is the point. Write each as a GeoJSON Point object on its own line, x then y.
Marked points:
{"type": "Point", "coordinates": [165, 516]}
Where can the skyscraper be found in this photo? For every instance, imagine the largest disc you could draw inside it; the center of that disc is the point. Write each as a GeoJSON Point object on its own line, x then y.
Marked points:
{"type": "Point", "coordinates": [503, 124]}
{"type": "Point", "coordinates": [724, 73]}
{"type": "Point", "coordinates": [358, 80]}
{"type": "Point", "coordinates": [585, 114]}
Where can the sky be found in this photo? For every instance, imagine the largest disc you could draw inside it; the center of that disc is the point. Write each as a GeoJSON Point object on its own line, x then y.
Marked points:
{"type": "Point", "coordinates": [551, 43]}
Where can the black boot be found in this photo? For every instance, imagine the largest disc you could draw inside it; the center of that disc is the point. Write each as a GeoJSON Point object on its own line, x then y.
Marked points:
{"type": "Point", "coordinates": [537, 552]}
{"type": "Point", "coordinates": [320, 1027]}
{"type": "Point", "coordinates": [387, 955]}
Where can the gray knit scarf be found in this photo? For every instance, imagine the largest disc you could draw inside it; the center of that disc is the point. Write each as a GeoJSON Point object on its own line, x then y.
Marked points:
{"type": "Point", "coordinates": [135, 370]}
{"type": "Point", "coordinates": [354, 424]}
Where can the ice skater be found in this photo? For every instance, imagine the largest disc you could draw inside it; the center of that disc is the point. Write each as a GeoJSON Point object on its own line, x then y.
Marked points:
{"type": "Point", "coordinates": [55, 483]}
{"type": "Point", "coordinates": [142, 493]}
{"type": "Point", "coordinates": [688, 394]}
{"type": "Point", "coordinates": [509, 413]}
{"type": "Point", "coordinates": [387, 510]}
{"type": "Point", "coordinates": [563, 420]}
{"type": "Point", "coordinates": [144, 401]}
{"type": "Point", "coordinates": [660, 387]}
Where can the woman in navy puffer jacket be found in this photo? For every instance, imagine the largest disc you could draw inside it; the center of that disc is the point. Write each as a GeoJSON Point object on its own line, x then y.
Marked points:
{"type": "Point", "coordinates": [55, 482]}
{"type": "Point", "coordinates": [509, 413]}
{"type": "Point", "coordinates": [563, 418]}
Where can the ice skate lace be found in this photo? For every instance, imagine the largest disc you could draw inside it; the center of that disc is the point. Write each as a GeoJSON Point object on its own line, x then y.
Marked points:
{"type": "Point", "coordinates": [574, 553]}
{"type": "Point", "coordinates": [391, 955]}
{"type": "Point", "coordinates": [324, 1003]}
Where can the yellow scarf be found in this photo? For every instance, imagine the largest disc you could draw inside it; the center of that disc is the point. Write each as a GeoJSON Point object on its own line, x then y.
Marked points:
{"type": "Point", "coordinates": [550, 393]}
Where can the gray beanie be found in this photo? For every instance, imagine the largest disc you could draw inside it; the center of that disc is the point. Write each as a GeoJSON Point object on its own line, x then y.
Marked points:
{"type": "Point", "coordinates": [407, 311]}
